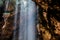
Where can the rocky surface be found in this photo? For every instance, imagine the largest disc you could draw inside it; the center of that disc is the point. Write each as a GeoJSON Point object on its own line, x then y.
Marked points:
{"type": "Point", "coordinates": [48, 19]}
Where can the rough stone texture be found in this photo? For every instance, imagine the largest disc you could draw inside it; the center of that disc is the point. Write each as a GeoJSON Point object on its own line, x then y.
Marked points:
{"type": "Point", "coordinates": [48, 19]}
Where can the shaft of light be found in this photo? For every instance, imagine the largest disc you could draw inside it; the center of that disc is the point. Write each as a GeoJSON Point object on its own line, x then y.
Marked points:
{"type": "Point", "coordinates": [31, 20]}
{"type": "Point", "coordinates": [27, 20]}
{"type": "Point", "coordinates": [23, 20]}
{"type": "Point", "coordinates": [15, 20]}
{"type": "Point", "coordinates": [7, 4]}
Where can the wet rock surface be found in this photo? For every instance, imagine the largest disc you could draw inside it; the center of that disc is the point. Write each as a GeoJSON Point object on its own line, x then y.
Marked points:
{"type": "Point", "coordinates": [48, 21]}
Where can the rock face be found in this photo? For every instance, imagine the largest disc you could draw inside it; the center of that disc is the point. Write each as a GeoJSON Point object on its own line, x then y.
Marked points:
{"type": "Point", "coordinates": [1, 18]}
{"type": "Point", "coordinates": [48, 19]}
{"type": "Point", "coordinates": [6, 23]}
